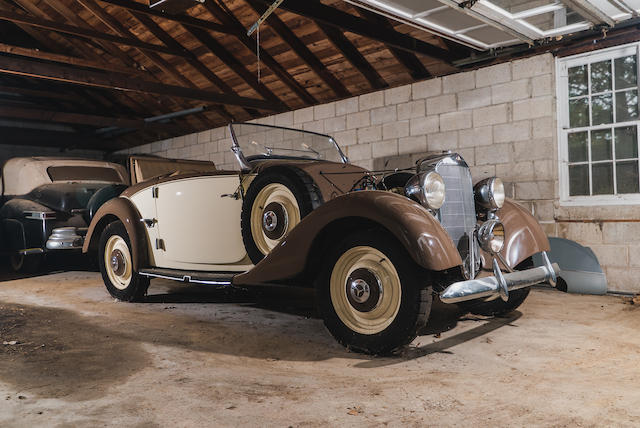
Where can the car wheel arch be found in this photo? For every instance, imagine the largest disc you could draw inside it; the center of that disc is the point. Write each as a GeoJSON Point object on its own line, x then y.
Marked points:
{"type": "Point", "coordinates": [124, 210]}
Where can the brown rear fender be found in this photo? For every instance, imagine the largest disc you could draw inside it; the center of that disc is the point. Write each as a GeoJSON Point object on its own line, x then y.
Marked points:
{"type": "Point", "coordinates": [419, 232]}
{"type": "Point", "coordinates": [119, 209]}
{"type": "Point", "coordinates": [524, 236]}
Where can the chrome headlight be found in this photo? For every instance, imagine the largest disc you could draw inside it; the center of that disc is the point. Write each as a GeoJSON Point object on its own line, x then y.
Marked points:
{"type": "Point", "coordinates": [426, 188]}
{"type": "Point", "coordinates": [491, 236]}
{"type": "Point", "coordinates": [489, 193]}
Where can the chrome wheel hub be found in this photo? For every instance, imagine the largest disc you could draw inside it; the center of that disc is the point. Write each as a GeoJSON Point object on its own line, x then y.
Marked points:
{"type": "Point", "coordinates": [275, 220]}
{"type": "Point", "coordinates": [269, 221]}
{"type": "Point", "coordinates": [364, 290]}
{"type": "Point", "coordinates": [118, 263]}
{"type": "Point", "coordinates": [360, 291]}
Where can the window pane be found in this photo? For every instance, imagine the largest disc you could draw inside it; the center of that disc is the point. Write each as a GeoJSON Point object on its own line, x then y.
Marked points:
{"type": "Point", "coordinates": [601, 109]}
{"type": "Point", "coordinates": [627, 177]}
{"type": "Point", "coordinates": [601, 145]}
{"type": "Point", "coordinates": [602, 175]}
{"type": "Point", "coordinates": [626, 106]}
{"type": "Point", "coordinates": [626, 142]}
{"type": "Point", "coordinates": [578, 147]}
{"type": "Point", "coordinates": [578, 180]}
{"type": "Point", "coordinates": [579, 113]}
{"type": "Point", "coordinates": [601, 76]}
{"type": "Point", "coordinates": [578, 82]}
{"type": "Point", "coordinates": [626, 72]}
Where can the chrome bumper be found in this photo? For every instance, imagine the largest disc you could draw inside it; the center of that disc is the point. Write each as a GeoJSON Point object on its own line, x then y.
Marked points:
{"type": "Point", "coordinates": [66, 238]}
{"type": "Point", "coordinates": [500, 284]}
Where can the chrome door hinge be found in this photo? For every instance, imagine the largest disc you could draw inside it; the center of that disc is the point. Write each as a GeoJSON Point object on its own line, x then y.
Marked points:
{"type": "Point", "coordinates": [154, 191]}
{"type": "Point", "coordinates": [160, 244]}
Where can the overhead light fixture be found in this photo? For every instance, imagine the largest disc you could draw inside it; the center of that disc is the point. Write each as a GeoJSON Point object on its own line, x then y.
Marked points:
{"type": "Point", "coordinates": [173, 6]}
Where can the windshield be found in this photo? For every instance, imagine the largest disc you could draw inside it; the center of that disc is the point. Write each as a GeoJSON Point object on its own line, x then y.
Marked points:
{"type": "Point", "coordinates": [263, 141]}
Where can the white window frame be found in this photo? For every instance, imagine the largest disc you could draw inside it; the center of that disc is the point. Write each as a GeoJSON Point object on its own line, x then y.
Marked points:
{"type": "Point", "coordinates": [562, 100]}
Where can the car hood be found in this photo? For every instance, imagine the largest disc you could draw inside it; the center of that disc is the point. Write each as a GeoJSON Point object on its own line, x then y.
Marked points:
{"type": "Point", "coordinates": [64, 197]}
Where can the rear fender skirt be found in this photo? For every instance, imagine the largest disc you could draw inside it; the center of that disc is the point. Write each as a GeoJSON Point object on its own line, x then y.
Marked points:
{"type": "Point", "coordinates": [419, 232]}
{"type": "Point", "coordinates": [121, 209]}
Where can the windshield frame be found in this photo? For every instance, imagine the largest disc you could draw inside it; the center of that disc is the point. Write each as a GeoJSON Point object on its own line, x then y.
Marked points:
{"type": "Point", "coordinates": [246, 164]}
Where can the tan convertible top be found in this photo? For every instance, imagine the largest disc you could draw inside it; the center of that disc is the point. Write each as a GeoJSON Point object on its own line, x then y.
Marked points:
{"type": "Point", "coordinates": [22, 175]}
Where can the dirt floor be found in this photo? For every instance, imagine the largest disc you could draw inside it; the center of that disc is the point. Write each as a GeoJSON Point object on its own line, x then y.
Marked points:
{"type": "Point", "coordinates": [197, 356]}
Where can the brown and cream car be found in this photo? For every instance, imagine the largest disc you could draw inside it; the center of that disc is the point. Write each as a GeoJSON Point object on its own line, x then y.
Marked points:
{"type": "Point", "coordinates": [376, 245]}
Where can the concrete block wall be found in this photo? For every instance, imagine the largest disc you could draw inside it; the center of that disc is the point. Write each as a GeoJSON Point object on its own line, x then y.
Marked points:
{"type": "Point", "coordinates": [501, 119]}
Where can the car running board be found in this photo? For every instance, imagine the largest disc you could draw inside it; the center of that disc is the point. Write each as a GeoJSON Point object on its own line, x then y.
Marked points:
{"type": "Point", "coordinates": [209, 278]}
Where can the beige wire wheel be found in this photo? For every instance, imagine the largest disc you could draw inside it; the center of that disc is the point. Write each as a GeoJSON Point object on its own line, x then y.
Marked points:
{"type": "Point", "coordinates": [117, 262]}
{"type": "Point", "coordinates": [274, 213]}
{"type": "Point", "coordinates": [365, 290]}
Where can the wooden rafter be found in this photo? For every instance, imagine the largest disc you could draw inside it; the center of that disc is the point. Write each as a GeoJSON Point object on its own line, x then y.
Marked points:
{"type": "Point", "coordinates": [301, 50]}
{"type": "Point", "coordinates": [409, 60]}
{"type": "Point", "coordinates": [71, 74]}
{"type": "Point", "coordinates": [235, 65]}
{"type": "Point", "coordinates": [66, 59]}
{"type": "Point", "coordinates": [182, 19]}
{"type": "Point", "coordinates": [241, 34]}
{"type": "Point", "coordinates": [344, 21]}
{"type": "Point", "coordinates": [82, 32]}
{"type": "Point", "coordinates": [353, 55]}
{"type": "Point", "coordinates": [39, 114]}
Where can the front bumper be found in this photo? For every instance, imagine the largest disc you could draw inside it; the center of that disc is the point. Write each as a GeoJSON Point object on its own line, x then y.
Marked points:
{"type": "Point", "coordinates": [66, 238]}
{"type": "Point", "coordinates": [500, 284]}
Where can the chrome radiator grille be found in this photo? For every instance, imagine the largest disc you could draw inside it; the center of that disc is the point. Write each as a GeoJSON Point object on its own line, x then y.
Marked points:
{"type": "Point", "coordinates": [458, 213]}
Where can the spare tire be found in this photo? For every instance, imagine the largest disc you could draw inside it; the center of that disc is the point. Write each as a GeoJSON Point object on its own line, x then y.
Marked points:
{"type": "Point", "coordinates": [273, 205]}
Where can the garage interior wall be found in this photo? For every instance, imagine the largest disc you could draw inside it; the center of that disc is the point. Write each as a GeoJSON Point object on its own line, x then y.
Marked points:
{"type": "Point", "coordinates": [501, 119]}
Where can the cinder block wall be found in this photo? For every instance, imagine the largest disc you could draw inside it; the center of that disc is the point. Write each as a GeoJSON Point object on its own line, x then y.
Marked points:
{"type": "Point", "coordinates": [501, 119]}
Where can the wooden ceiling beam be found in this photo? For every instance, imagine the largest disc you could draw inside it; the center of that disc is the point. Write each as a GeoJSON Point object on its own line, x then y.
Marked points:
{"type": "Point", "coordinates": [49, 138]}
{"type": "Point", "coordinates": [353, 55]}
{"type": "Point", "coordinates": [217, 49]}
{"type": "Point", "coordinates": [85, 33]}
{"type": "Point", "coordinates": [182, 19]}
{"type": "Point", "coordinates": [168, 40]}
{"type": "Point", "coordinates": [41, 115]}
{"type": "Point", "coordinates": [409, 61]}
{"type": "Point", "coordinates": [288, 36]}
{"type": "Point", "coordinates": [66, 59]}
{"type": "Point", "coordinates": [241, 34]}
{"type": "Point", "coordinates": [123, 82]}
{"type": "Point", "coordinates": [344, 21]}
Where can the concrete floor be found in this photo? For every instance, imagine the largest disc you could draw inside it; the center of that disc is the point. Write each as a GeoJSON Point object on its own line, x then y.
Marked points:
{"type": "Point", "coordinates": [196, 356]}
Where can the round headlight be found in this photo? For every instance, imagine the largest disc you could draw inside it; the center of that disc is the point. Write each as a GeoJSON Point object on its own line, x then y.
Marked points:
{"type": "Point", "coordinates": [426, 188]}
{"type": "Point", "coordinates": [489, 193]}
{"type": "Point", "coordinates": [433, 186]}
{"type": "Point", "coordinates": [491, 236]}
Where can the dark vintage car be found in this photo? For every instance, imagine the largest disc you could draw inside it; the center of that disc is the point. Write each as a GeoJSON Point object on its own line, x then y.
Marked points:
{"type": "Point", "coordinates": [376, 245]}
{"type": "Point", "coordinates": [48, 202]}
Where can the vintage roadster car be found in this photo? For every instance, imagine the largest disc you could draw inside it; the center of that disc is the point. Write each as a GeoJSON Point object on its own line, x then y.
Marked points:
{"type": "Point", "coordinates": [48, 202]}
{"type": "Point", "coordinates": [377, 246]}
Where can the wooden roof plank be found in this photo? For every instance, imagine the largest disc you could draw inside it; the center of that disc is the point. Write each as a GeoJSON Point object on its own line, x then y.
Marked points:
{"type": "Point", "coordinates": [301, 50]}
{"type": "Point", "coordinates": [353, 55]}
{"type": "Point", "coordinates": [241, 34]}
{"type": "Point", "coordinates": [72, 74]}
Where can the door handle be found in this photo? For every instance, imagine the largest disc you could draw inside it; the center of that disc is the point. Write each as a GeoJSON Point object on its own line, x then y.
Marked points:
{"type": "Point", "coordinates": [149, 222]}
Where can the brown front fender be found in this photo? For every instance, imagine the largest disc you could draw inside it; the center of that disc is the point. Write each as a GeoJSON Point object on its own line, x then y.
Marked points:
{"type": "Point", "coordinates": [524, 236]}
{"type": "Point", "coordinates": [119, 209]}
{"type": "Point", "coordinates": [419, 232]}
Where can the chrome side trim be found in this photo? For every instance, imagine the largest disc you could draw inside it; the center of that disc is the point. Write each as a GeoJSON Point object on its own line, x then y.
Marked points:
{"type": "Point", "coordinates": [40, 215]}
{"type": "Point", "coordinates": [501, 284]}
{"type": "Point", "coordinates": [185, 278]}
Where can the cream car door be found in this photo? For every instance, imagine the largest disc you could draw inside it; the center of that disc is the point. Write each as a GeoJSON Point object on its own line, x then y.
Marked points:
{"type": "Point", "coordinates": [198, 222]}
